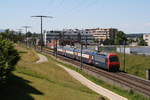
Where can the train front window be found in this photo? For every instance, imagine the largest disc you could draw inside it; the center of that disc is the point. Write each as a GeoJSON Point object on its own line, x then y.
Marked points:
{"type": "Point", "coordinates": [113, 59]}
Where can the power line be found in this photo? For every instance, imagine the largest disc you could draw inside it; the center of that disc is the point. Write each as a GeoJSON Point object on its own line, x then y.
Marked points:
{"type": "Point", "coordinates": [51, 6]}
{"type": "Point", "coordinates": [75, 7]}
{"type": "Point", "coordinates": [78, 6]}
{"type": "Point", "coordinates": [41, 18]}
{"type": "Point", "coordinates": [26, 30]}
{"type": "Point", "coordinates": [20, 30]}
{"type": "Point", "coordinates": [83, 4]}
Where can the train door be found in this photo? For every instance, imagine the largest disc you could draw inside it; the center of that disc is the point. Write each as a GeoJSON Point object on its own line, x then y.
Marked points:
{"type": "Point", "coordinates": [90, 59]}
{"type": "Point", "coordinates": [106, 63]}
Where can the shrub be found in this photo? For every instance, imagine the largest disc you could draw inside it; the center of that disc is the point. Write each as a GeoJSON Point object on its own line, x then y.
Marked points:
{"type": "Point", "coordinates": [8, 59]}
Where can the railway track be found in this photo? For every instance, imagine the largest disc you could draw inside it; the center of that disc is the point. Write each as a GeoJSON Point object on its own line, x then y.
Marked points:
{"type": "Point", "coordinates": [132, 82]}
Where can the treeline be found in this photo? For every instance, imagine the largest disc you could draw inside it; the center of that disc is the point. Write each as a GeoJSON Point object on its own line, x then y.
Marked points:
{"type": "Point", "coordinates": [17, 36]}
{"type": "Point", "coordinates": [12, 36]}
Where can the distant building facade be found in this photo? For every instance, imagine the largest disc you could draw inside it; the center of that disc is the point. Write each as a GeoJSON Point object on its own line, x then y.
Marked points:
{"type": "Point", "coordinates": [146, 37]}
{"type": "Point", "coordinates": [133, 39]}
{"type": "Point", "coordinates": [134, 36]}
{"type": "Point", "coordinates": [85, 36]}
{"type": "Point", "coordinates": [69, 35]}
{"type": "Point", "coordinates": [103, 33]}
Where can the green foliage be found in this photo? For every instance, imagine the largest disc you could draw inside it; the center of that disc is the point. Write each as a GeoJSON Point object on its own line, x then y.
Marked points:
{"type": "Point", "coordinates": [135, 64]}
{"type": "Point", "coordinates": [29, 34]}
{"type": "Point", "coordinates": [109, 41]}
{"type": "Point", "coordinates": [130, 41]}
{"type": "Point", "coordinates": [8, 59]}
{"type": "Point", "coordinates": [120, 38]}
{"type": "Point", "coordinates": [95, 40]}
{"type": "Point", "coordinates": [142, 42]}
{"type": "Point", "coordinates": [12, 36]}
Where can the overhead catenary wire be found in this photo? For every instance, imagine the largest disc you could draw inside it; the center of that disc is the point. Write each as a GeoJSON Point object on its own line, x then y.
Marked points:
{"type": "Point", "coordinates": [78, 6]}
{"type": "Point", "coordinates": [82, 5]}
{"type": "Point", "coordinates": [41, 18]}
{"type": "Point", "coordinates": [26, 31]}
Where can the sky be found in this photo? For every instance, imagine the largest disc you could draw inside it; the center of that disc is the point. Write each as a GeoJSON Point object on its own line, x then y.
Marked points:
{"type": "Point", "coordinates": [130, 16]}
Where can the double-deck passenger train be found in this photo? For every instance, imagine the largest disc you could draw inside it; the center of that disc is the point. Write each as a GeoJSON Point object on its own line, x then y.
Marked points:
{"type": "Point", "coordinates": [108, 61]}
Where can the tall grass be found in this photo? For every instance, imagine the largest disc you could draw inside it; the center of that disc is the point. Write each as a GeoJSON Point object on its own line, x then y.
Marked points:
{"type": "Point", "coordinates": [135, 64]}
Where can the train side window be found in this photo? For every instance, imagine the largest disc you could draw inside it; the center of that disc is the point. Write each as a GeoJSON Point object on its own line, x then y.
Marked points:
{"type": "Point", "coordinates": [106, 60]}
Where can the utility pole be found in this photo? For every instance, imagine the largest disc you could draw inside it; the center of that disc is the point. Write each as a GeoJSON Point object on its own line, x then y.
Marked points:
{"type": "Point", "coordinates": [26, 30]}
{"type": "Point", "coordinates": [86, 41]}
{"type": "Point", "coordinates": [124, 56]}
{"type": "Point", "coordinates": [41, 18]}
{"type": "Point", "coordinates": [81, 60]}
{"type": "Point", "coordinates": [56, 48]}
{"type": "Point", "coordinates": [20, 32]}
{"type": "Point", "coordinates": [81, 49]}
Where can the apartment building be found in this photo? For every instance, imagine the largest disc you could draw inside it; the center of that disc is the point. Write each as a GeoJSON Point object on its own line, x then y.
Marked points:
{"type": "Point", "coordinates": [86, 35]}
{"type": "Point", "coordinates": [69, 35]}
{"type": "Point", "coordinates": [102, 33]}
{"type": "Point", "coordinates": [146, 37]}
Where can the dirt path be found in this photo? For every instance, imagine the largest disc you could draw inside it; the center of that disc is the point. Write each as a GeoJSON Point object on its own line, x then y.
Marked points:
{"type": "Point", "coordinates": [98, 89]}
{"type": "Point", "coordinates": [42, 59]}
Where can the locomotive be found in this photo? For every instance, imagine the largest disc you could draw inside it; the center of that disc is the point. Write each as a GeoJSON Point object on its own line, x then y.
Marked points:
{"type": "Point", "coordinates": [108, 61]}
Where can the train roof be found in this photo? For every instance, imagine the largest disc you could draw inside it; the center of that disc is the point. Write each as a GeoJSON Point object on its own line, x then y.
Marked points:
{"type": "Point", "coordinates": [107, 54]}
{"type": "Point", "coordinates": [92, 53]}
{"type": "Point", "coordinates": [68, 48]}
{"type": "Point", "coordinates": [88, 51]}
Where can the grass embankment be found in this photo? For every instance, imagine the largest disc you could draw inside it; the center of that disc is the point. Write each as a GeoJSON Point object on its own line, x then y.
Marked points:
{"type": "Point", "coordinates": [128, 94]}
{"type": "Point", "coordinates": [135, 64]}
{"type": "Point", "coordinates": [45, 81]}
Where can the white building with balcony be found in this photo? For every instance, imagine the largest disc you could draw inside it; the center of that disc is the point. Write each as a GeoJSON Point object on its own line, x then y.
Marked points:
{"type": "Point", "coordinates": [146, 37]}
{"type": "Point", "coordinates": [103, 33]}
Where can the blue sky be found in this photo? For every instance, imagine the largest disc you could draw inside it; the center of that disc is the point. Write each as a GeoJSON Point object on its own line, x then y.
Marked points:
{"type": "Point", "coordinates": [130, 16]}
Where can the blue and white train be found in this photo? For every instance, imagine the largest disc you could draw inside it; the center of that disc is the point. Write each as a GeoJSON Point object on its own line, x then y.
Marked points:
{"type": "Point", "coordinates": [108, 61]}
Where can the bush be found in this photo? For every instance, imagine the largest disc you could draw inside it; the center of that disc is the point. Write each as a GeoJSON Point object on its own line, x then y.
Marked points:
{"type": "Point", "coordinates": [8, 59]}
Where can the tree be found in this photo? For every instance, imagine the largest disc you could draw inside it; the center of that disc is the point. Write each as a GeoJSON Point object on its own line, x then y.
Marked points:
{"type": "Point", "coordinates": [130, 41]}
{"type": "Point", "coordinates": [12, 36]}
{"type": "Point", "coordinates": [8, 59]}
{"type": "Point", "coordinates": [120, 38]}
{"type": "Point", "coordinates": [96, 40]}
{"type": "Point", "coordinates": [142, 42]}
{"type": "Point", "coordinates": [29, 34]}
{"type": "Point", "coordinates": [109, 41]}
